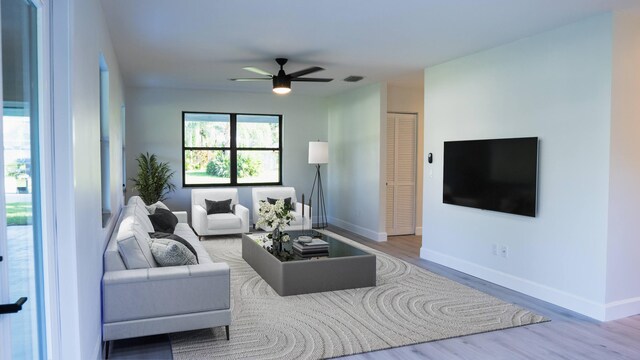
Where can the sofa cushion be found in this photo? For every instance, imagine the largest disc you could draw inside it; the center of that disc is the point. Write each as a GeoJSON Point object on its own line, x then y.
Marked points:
{"type": "Point", "coordinates": [163, 221]}
{"type": "Point", "coordinates": [136, 200]}
{"type": "Point", "coordinates": [218, 207]}
{"type": "Point", "coordinates": [287, 202]}
{"type": "Point", "coordinates": [169, 252]}
{"type": "Point", "coordinates": [223, 221]}
{"type": "Point", "coordinates": [133, 246]}
{"type": "Point", "coordinates": [143, 218]}
{"type": "Point", "coordinates": [157, 205]}
{"type": "Point", "coordinates": [163, 235]}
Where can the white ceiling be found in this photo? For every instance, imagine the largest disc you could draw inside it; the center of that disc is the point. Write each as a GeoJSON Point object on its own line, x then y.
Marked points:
{"type": "Point", "coordinates": [200, 44]}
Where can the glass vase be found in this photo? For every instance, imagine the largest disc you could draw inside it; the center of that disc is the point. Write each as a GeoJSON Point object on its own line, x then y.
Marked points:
{"type": "Point", "coordinates": [276, 241]}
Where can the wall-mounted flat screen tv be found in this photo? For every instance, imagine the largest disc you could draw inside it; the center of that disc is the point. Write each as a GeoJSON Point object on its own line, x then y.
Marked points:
{"type": "Point", "coordinates": [498, 174]}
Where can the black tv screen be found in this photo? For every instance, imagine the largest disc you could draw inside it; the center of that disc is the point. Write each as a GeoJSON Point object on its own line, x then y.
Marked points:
{"type": "Point", "coordinates": [498, 174]}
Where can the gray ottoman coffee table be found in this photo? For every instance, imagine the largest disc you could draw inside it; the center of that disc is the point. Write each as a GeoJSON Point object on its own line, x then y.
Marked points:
{"type": "Point", "coordinates": [345, 267]}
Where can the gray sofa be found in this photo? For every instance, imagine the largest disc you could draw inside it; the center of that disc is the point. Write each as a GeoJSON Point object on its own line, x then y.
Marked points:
{"type": "Point", "coordinates": [155, 300]}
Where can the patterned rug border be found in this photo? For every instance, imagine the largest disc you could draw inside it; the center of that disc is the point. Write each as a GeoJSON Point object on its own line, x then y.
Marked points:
{"type": "Point", "coordinates": [215, 334]}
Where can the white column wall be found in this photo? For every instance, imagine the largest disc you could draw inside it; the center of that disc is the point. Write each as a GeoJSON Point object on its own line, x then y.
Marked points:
{"type": "Point", "coordinates": [556, 86]}
{"type": "Point", "coordinates": [357, 146]}
{"type": "Point", "coordinates": [623, 247]}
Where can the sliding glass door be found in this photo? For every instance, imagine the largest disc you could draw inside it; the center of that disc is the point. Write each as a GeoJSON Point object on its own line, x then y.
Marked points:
{"type": "Point", "coordinates": [22, 322]}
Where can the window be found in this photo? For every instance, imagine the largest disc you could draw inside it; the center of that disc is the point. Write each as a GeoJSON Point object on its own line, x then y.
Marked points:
{"type": "Point", "coordinates": [231, 149]}
{"type": "Point", "coordinates": [105, 165]}
{"type": "Point", "coordinates": [124, 148]}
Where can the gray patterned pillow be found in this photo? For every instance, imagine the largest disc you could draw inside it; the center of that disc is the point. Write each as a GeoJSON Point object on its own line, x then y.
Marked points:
{"type": "Point", "coordinates": [168, 252]}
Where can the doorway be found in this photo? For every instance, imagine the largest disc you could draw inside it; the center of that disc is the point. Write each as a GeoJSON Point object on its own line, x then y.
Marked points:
{"type": "Point", "coordinates": [401, 173]}
{"type": "Point", "coordinates": [22, 317]}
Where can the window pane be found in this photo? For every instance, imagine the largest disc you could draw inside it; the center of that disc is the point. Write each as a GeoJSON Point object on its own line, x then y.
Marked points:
{"type": "Point", "coordinates": [207, 130]}
{"type": "Point", "coordinates": [258, 131]}
{"type": "Point", "coordinates": [207, 167]}
{"type": "Point", "coordinates": [258, 166]}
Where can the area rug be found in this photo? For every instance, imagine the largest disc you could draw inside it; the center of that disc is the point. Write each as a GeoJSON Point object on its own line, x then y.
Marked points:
{"type": "Point", "coordinates": [409, 305]}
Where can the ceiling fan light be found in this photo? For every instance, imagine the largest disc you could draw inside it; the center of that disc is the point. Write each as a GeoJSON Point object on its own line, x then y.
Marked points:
{"type": "Point", "coordinates": [281, 85]}
{"type": "Point", "coordinates": [281, 90]}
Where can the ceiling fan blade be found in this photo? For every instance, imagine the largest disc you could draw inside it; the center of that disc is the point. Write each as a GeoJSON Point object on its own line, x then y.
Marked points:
{"type": "Point", "coordinates": [258, 71]}
{"type": "Point", "coordinates": [251, 79]}
{"type": "Point", "coordinates": [305, 72]}
{"type": "Point", "coordinates": [312, 79]}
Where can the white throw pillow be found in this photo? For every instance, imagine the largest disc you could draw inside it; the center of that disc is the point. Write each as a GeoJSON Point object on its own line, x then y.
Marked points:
{"type": "Point", "coordinates": [133, 246]}
{"type": "Point", "coordinates": [152, 208]}
{"type": "Point", "coordinates": [142, 216]}
{"type": "Point", "coordinates": [168, 252]}
{"type": "Point", "coordinates": [137, 200]}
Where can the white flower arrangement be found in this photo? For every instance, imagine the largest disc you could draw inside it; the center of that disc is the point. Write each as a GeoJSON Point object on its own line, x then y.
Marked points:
{"type": "Point", "coordinates": [275, 216]}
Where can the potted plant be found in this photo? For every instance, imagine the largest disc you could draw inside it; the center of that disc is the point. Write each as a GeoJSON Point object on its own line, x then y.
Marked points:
{"type": "Point", "coordinates": [153, 181]}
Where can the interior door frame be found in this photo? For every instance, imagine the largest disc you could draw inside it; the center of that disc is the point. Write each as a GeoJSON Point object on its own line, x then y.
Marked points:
{"type": "Point", "coordinates": [47, 301]}
{"type": "Point", "coordinates": [415, 164]}
{"type": "Point", "coordinates": [5, 340]}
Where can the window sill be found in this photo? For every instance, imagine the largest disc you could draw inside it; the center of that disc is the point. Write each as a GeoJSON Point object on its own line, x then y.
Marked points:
{"type": "Point", "coordinates": [106, 216]}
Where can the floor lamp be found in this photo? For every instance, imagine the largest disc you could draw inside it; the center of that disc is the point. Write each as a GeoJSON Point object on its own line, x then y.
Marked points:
{"type": "Point", "coordinates": [318, 154]}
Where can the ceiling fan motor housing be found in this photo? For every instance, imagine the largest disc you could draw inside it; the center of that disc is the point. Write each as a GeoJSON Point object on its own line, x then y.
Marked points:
{"type": "Point", "coordinates": [282, 80]}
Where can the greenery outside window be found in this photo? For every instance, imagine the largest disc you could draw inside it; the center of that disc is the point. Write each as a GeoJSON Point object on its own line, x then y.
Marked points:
{"type": "Point", "coordinates": [231, 149]}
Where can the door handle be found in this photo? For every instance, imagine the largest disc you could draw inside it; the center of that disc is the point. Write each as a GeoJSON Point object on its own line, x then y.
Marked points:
{"type": "Point", "coordinates": [13, 308]}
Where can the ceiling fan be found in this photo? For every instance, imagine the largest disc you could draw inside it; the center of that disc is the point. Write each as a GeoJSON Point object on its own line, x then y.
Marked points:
{"type": "Point", "coordinates": [282, 81]}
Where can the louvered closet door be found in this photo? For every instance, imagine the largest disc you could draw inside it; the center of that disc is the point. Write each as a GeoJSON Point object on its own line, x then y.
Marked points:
{"type": "Point", "coordinates": [401, 174]}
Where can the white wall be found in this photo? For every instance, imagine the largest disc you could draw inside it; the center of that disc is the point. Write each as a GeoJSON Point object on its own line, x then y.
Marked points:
{"type": "Point", "coordinates": [408, 99]}
{"type": "Point", "coordinates": [357, 143]}
{"type": "Point", "coordinates": [556, 86]}
{"type": "Point", "coordinates": [79, 36]}
{"type": "Point", "coordinates": [154, 125]}
{"type": "Point", "coordinates": [623, 247]}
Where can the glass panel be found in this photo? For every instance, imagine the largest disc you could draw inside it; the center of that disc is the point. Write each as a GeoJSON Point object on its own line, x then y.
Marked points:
{"type": "Point", "coordinates": [207, 167]}
{"type": "Point", "coordinates": [207, 130]}
{"type": "Point", "coordinates": [258, 131]}
{"type": "Point", "coordinates": [258, 166]}
{"type": "Point", "coordinates": [21, 180]}
{"type": "Point", "coordinates": [337, 248]}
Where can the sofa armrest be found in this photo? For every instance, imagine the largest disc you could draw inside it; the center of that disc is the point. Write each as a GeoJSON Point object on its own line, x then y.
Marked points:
{"type": "Point", "coordinates": [181, 215]}
{"type": "Point", "coordinates": [243, 213]}
{"type": "Point", "coordinates": [164, 291]}
{"type": "Point", "coordinates": [307, 209]}
{"type": "Point", "coordinates": [199, 219]}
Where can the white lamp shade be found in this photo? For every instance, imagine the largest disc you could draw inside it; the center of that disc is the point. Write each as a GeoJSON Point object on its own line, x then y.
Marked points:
{"type": "Point", "coordinates": [318, 152]}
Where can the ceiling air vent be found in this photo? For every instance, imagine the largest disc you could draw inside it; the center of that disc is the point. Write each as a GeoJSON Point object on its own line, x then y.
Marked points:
{"type": "Point", "coordinates": [353, 78]}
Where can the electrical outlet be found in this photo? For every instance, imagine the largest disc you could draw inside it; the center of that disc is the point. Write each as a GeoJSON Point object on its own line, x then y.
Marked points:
{"type": "Point", "coordinates": [504, 251]}
{"type": "Point", "coordinates": [494, 249]}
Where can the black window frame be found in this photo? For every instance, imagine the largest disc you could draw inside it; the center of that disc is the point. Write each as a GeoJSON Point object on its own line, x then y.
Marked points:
{"type": "Point", "coordinates": [233, 150]}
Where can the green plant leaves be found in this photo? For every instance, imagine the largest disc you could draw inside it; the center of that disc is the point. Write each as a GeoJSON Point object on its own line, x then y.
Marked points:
{"type": "Point", "coordinates": [153, 181]}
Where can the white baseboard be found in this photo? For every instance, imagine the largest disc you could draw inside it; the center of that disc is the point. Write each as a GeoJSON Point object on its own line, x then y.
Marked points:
{"type": "Point", "coordinates": [418, 230]}
{"type": "Point", "coordinates": [528, 287]}
{"type": "Point", "coordinates": [622, 309]}
{"type": "Point", "coordinates": [369, 234]}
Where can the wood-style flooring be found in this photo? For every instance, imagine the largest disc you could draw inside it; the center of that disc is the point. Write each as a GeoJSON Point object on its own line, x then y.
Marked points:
{"type": "Point", "coordinates": [567, 336]}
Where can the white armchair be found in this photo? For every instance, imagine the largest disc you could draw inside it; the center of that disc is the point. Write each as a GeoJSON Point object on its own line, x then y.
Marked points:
{"type": "Point", "coordinates": [218, 224]}
{"type": "Point", "coordinates": [282, 192]}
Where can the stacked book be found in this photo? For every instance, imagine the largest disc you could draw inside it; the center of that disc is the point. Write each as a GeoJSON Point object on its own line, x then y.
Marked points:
{"type": "Point", "coordinates": [315, 248]}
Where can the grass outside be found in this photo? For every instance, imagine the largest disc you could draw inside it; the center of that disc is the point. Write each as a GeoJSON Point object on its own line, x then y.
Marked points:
{"type": "Point", "coordinates": [198, 173]}
{"type": "Point", "coordinates": [19, 213]}
{"type": "Point", "coordinates": [201, 177]}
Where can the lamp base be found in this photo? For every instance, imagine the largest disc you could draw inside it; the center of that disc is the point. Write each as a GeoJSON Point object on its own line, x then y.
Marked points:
{"type": "Point", "coordinates": [321, 213]}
